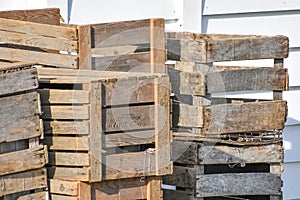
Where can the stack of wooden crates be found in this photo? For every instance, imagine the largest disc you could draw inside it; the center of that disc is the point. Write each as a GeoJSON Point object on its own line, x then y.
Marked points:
{"type": "Point", "coordinates": [107, 133]}
{"type": "Point", "coordinates": [226, 147]}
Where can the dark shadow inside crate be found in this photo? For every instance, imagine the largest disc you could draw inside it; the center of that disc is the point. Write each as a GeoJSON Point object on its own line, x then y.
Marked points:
{"type": "Point", "coordinates": [257, 197]}
{"type": "Point", "coordinates": [237, 168]}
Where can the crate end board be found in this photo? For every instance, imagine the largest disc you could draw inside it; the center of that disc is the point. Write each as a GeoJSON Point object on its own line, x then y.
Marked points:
{"type": "Point", "coordinates": [206, 48]}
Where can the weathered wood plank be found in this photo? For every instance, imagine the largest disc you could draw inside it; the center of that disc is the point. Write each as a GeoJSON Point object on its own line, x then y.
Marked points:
{"type": "Point", "coordinates": [84, 47]}
{"type": "Point", "coordinates": [65, 173]}
{"type": "Point", "coordinates": [129, 138]}
{"type": "Point", "coordinates": [65, 112]}
{"type": "Point", "coordinates": [238, 184]}
{"type": "Point", "coordinates": [187, 115]}
{"type": "Point", "coordinates": [278, 65]}
{"type": "Point", "coordinates": [154, 190]}
{"type": "Point", "coordinates": [38, 57]}
{"type": "Point", "coordinates": [39, 41]}
{"type": "Point", "coordinates": [114, 50]}
{"type": "Point", "coordinates": [185, 152]}
{"type": "Point", "coordinates": [18, 81]}
{"type": "Point", "coordinates": [43, 16]}
{"type": "Point", "coordinates": [54, 96]}
{"type": "Point", "coordinates": [62, 197]}
{"type": "Point", "coordinates": [67, 143]}
{"type": "Point", "coordinates": [96, 132]}
{"type": "Point", "coordinates": [126, 189]}
{"type": "Point", "coordinates": [66, 127]}
{"type": "Point", "coordinates": [135, 62]}
{"type": "Point", "coordinates": [157, 46]}
{"type": "Point", "coordinates": [24, 181]}
{"type": "Point", "coordinates": [34, 196]}
{"type": "Point", "coordinates": [64, 187]}
{"type": "Point", "coordinates": [129, 118]}
{"type": "Point", "coordinates": [38, 29]}
{"type": "Point", "coordinates": [23, 124]}
{"type": "Point", "coordinates": [121, 33]}
{"type": "Point", "coordinates": [246, 117]}
{"type": "Point", "coordinates": [253, 79]}
{"type": "Point", "coordinates": [29, 159]}
{"type": "Point", "coordinates": [182, 177]}
{"type": "Point", "coordinates": [69, 159]}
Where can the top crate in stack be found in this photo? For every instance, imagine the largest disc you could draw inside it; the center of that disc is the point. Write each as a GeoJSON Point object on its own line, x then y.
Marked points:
{"type": "Point", "coordinates": [105, 125]}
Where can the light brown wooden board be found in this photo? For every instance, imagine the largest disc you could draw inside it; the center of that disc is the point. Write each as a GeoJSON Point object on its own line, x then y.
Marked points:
{"type": "Point", "coordinates": [24, 181]}
{"type": "Point", "coordinates": [67, 173]}
{"type": "Point", "coordinates": [84, 47]}
{"type": "Point", "coordinates": [65, 112]}
{"type": "Point", "coordinates": [34, 196]}
{"type": "Point", "coordinates": [238, 184]}
{"type": "Point", "coordinates": [60, 189]}
{"type": "Point", "coordinates": [18, 81]}
{"type": "Point", "coordinates": [29, 159]}
{"type": "Point", "coordinates": [69, 159]}
{"type": "Point", "coordinates": [66, 127]}
{"type": "Point", "coordinates": [206, 48]}
{"type": "Point", "coordinates": [246, 117]}
{"type": "Point", "coordinates": [19, 117]}
{"type": "Point", "coordinates": [187, 116]}
{"type": "Point", "coordinates": [201, 153]}
{"type": "Point", "coordinates": [43, 16]}
{"type": "Point", "coordinates": [67, 143]}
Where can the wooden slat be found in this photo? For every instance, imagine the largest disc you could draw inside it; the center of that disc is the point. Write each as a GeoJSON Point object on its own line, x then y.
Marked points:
{"type": "Point", "coordinates": [125, 189]}
{"type": "Point", "coordinates": [186, 115]}
{"type": "Point", "coordinates": [129, 118]}
{"type": "Point", "coordinates": [24, 181]}
{"type": "Point", "coordinates": [84, 47]}
{"type": "Point", "coordinates": [19, 117]}
{"type": "Point", "coordinates": [96, 132]}
{"type": "Point", "coordinates": [125, 92]}
{"type": "Point", "coordinates": [67, 143]}
{"type": "Point", "coordinates": [135, 62]}
{"type": "Point", "coordinates": [68, 159]}
{"type": "Point", "coordinates": [62, 197]}
{"type": "Point", "coordinates": [154, 190]}
{"type": "Point", "coordinates": [184, 177]}
{"type": "Point", "coordinates": [33, 158]}
{"type": "Point", "coordinates": [65, 112]}
{"type": "Point", "coordinates": [121, 33]}
{"type": "Point", "coordinates": [38, 195]}
{"type": "Point", "coordinates": [43, 16]}
{"type": "Point", "coordinates": [18, 81]}
{"type": "Point", "coordinates": [252, 79]}
{"type": "Point", "coordinates": [65, 173]}
{"type": "Point", "coordinates": [185, 152]}
{"type": "Point", "coordinates": [157, 46]}
{"type": "Point", "coordinates": [114, 50]}
{"type": "Point", "coordinates": [238, 184]}
{"type": "Point", "coordinates": [54, 96]}
{"type": "Point", "coordinates": [246, 117]}
{"type": "Point", "coordinates": [66, 127]}
{"type": "Point", "coordinates": [38, 41]}
{"type": "Point", "coordinates": [38, 29]}
{"type": "Point", "coordinates": [69, 188]}
{"type": "Point", "coordinates": [38, 57]}
{"type": "Point", "coordinates": [129, 138]}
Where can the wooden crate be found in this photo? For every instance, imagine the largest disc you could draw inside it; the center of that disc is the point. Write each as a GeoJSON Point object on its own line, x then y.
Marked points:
{"type": "Point", "coordinates": [205, 169]}
{"type": "Point", "coordinates": [22, 157]}
{"type": "Point", "coordinates": [105, 125]}
{"type": "Point", "coordinates": [147, 188]}
{"type": "Point", "coordinates": [129, 46]}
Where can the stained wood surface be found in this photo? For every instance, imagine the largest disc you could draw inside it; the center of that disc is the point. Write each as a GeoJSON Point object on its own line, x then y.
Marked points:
{"type": "Point", "coordinates": [24, 181]}
{"type": "Point", "coordinates": [246, 117]}
{"type": "Point", "coordinates": [18, 81]}
{"type": "Point", "coordinates": [43, 16]}
{"type": "Point", "coordinates": [29, 159]}
{"type": "Point", "coordinates": [205, 48]}
{"type": "Point", "coordinates": [66, 127]}
{"type": "Point", "coordinates": [23, 124]}
{"type": "Point", "coordinates": [238, 184]}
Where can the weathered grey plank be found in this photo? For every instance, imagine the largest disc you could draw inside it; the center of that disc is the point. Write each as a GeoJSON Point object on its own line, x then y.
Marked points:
{"type": "Point", "coordinates": [187, 115]}
{"type": "Point", "coordinates": [184, 177]}
{"type": "Point", "coordinates": [53, 96]}
{"type": "Point", "coordinates": [185, 152]}
{"type": "Point", "coordinates": [65, 112]}
{"type": "Point", "coordinates": [19, 117]}
{"type": "Point", "coordinates": [18, 81]}
{"type": "Point", "coordinates": [238, 184]}
{"type": "Point", "coordinates": [246, 117]}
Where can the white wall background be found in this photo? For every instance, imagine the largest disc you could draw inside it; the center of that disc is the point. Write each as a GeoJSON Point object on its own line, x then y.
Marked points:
{"type": "Point", "coordinates": [267, 17]}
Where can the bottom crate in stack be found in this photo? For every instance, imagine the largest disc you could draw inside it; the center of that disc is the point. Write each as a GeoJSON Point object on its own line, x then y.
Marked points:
{"type": "Point", "coordinates": [225, 169]}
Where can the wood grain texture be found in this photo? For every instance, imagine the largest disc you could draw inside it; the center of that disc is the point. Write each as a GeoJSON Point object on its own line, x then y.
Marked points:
{"type": "Point", "coordinates": [67, 61]}
{"type": "Point", "coordinates": [66, 127]}
{"type": "Point", "coordinates": [129, 118]}
{"type": "Point", "coordinates": [251, 79]}
{"type": "Point", "coordinates": [29, 159]}
{"type": "Point", "coordinates": [67, 143]}
{"type": "Point", "coordinates": [34, 196]}
{"type": "Point", "coordinates": [24, 181]}
{"type": "Point", "coordinates": [68, 174]}
{"type": "Point", "coordinates": [23, 124]}
{"type": "Point", "coordinates": [185, 152]}
{"type": "Point", "coordinates": [187, 115]}
{"type": "Point", "coordinates": [53, 96]}
{"type": "Point", "coordinates": [154, 190]}
{"type": "Point", "coordinates": [43, 16]}
{"type": "Point", "coordinates": [65, 112]}
{"type": "Point", "coordinates": [84, 47]}
{"type": "Point", "coordinates": [246, 117]}
{"type": "Point", "coordinates": [238, 184]}
{"type": "Point", "coordinates": [135, 62]}
{"type": "Point", "coordinates": [68, 159]}
{"type": "Point", "coordinates": [18, 81]}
